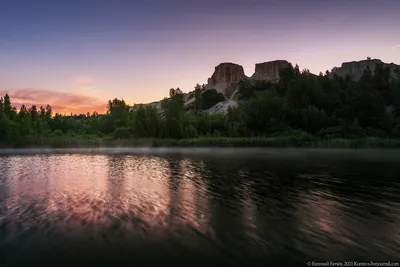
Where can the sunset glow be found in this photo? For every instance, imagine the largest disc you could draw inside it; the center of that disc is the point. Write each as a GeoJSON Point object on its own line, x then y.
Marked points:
{"type": "Point", "coordinates": [77, 55]}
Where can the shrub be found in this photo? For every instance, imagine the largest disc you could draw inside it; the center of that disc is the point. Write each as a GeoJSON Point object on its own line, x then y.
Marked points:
{"type": "Point", "coordinates": [71, 133]}
{"type": "Point", "coordinates": [210, 97]}
{"type": "Point", "coordinates": [121, 133]}
{"type": "Point", "coordinates": [58, 133]}
{"type": "Point", "coordinates": [190, 132]}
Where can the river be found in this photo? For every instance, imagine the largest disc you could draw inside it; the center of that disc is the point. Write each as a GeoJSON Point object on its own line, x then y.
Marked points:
{"type": "Point", "coordinates": [237, 207]}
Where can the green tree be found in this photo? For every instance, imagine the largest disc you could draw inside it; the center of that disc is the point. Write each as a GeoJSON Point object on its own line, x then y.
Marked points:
{"type": "Point", "coordinates": [313, 119]}
{"type": "Point", "coordinates": [33, 112]}
{"type": "Point", "coordinates": [146, 122]}
{"type": "Point", "coordinates": [118, 113]}
{"type": "Point", "coordinates": [7, 105]}
{"type": "Point", "coordinates": [1, 105]}
{"type": "Point", "coordinates": [121, 133]}
{"type": "Point", "coordinates": [173, 113]}
{"type": "Point", "coordinates": [42, 113]}
{"type": "Point", "coordinates": [210, 97]}
{"type": "Point", "coordinates": [23, 112]}
{"type": "Point", "coordinates": [396, 96]}
{"type": "Point", "coordinates": [381, 82]}
{"type": "Point", "coordinates": [190, 131]}
{"type": "Point", "coordinates": [263, 114]}
{"type": "Point", "coordinates": [49, 112]}
{"type": "Point", "coordinates": [198, 98]}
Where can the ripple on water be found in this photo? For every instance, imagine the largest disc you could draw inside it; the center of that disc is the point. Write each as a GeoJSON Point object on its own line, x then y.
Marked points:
{"type": "Point", "coordinates": [179, 206]}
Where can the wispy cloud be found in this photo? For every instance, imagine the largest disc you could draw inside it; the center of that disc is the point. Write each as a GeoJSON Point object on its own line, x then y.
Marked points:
{"type": "Point", "coordinates": [396, 46]}
{"type": "Point", "coordinates": [59, 101]}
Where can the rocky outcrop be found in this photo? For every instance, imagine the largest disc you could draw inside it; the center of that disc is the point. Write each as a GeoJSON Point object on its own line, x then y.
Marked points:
{"type": "Point", "coordinates": [269, 71]}
{"type": "Point", "coordinates": [356, 68]}
{"type": "Point", "coordinates": [221, 107]}
{"type": "Point", "coordinates": [188, 99]}
{"type": "Point", "coordinates": [225, 78]}
{"type": "Point", "coordinates": [156, 104]}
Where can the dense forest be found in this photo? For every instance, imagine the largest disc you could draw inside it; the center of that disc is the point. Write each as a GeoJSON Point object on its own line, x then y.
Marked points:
{"type": "Point", "coordinates": [300, 104]}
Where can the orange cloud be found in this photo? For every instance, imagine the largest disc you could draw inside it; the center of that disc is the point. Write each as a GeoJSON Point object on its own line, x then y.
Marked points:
{"type": "Point", "coordinates": [60, 102]}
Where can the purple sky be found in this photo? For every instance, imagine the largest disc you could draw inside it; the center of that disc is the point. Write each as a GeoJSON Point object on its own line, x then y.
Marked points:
{"type": "Point", "coordinates": [76, 55]}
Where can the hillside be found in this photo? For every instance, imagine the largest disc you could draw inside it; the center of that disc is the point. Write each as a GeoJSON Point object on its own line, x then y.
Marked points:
{"type": "Point", "coordinates": [227, 77]}
{"type": "Point", "coordinates": [278, 102]}
{"type": "Point", "coordinates": [356, 68]}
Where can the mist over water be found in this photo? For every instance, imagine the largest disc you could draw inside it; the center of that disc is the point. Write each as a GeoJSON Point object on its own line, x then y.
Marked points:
{"type": "Point", "coordinates": [242, 207]}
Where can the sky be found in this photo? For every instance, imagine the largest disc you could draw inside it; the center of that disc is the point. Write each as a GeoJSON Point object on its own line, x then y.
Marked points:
{"type": "Point", "coordinates": [77, 54]}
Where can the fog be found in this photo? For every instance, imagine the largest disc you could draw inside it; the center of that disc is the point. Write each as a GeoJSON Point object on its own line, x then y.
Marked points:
{"type": "Point", "coordinates": [284, 153]}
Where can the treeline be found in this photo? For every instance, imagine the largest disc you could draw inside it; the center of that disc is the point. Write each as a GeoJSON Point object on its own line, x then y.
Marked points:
{"type": "Point", "coordinates": [324, 106]}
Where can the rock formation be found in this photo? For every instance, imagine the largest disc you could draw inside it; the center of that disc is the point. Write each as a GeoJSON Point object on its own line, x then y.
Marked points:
{"type": "Point", "coordinates": [269, 71]}
{"type": "Point", "coordinates": [225, 78]}
{"type": "Point", "coordinates": [156, 104]}
{"type": "Point", "coordinates": [356, 68]}
{"type": "Point", "coordinates": [221, 107]}
{"type": "Point", "coordinates": [227, 75]}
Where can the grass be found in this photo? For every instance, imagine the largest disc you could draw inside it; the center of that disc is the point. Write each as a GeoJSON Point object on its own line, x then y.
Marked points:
{"type": "Point", "coordinates": [273, 142]}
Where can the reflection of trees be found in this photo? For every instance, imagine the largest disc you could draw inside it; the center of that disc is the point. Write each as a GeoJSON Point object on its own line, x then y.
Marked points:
{"type": "Point", "coordinates": [224, 194]}
{"type": "Point", "coordinates": [4, 183]}
{"type": "Point", "coordinates": [194, 195]}
{"type": "Point", "coordinates": [320, 219]}
{"type": "Point", "coordinates": [188, 194]}
{"type": "Point", "coordinates": [116, 174]}
{"type": "Point", "coordinates": [252, 203]}
{"type": "Point", "coordinates": [174, 192]}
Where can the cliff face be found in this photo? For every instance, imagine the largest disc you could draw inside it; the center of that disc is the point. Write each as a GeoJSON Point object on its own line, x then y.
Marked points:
{"type": "Point", "coordinates": [356, 68]}
{"type": "Point", "coordinates": [225, 78]}
{"type": "Point", "coordinates": [227, 75]}
{"type": "Point", "coordinates": [269, 71]}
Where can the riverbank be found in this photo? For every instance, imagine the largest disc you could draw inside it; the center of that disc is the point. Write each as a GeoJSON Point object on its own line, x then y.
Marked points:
{"type": "Point", "coordinates": [272, 142]}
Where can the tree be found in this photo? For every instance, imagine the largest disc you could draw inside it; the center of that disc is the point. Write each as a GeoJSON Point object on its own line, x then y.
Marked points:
{"type": "Point", "coordinates": [42, 112]}
{"type": "Point", "coordinates": [1, 105]}
{"type": "Point", "coordinates": [190, 131]}
{"type": "Point", "coordinates": [173, 114]}
{"type": "Point", "coordinates": [173, 92]}
{"type": "Point", "coordinates": [395, 86]}
{"type": "Point", "coordinates": [7, 105]}
{"type": "Point", "coordinates": [312, 119]}
{"type": "Point", "coordinates": [33, 112]}
{"type": "Point", "coordinates": [146, 122]}
{"type": "Point", "coordinates": [121, 133]}
{"type": "Point", "coordinates": [381, 81]}
{"type": "Point", "coordinates": [49, 112]}
{"type": "Point", "coordinates": [198, 98]}
{"type": "Point", "coordinates": [263, 114]}
{"type": "Point", "coordinates": [210, 97]}
{"type": "Point", "coordinates": [118, 111]}
{"type": "Point", "coordinates": [23, 112]}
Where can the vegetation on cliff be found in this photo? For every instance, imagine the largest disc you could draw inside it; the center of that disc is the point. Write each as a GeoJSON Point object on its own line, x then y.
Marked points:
{"type": "Point", "coordinates": [300, 110]}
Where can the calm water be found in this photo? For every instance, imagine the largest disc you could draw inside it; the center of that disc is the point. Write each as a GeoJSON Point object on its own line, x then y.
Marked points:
{"type": "Point", "coordinates": [236, 207]}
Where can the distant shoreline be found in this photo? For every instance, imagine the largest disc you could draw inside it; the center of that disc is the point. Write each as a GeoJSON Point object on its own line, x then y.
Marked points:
{"type": "Point", "coordinates": [212, 142]}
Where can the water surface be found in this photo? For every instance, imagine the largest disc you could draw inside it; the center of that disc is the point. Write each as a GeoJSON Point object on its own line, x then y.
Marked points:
{"type": "Point", "coordinates": [240, 207]}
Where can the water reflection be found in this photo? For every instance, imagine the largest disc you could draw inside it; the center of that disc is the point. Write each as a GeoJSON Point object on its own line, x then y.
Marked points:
{"type": "Point", "coordinates": [194, 196]}
{"type": "Point", "coordinates": [231, 210]}
{"type": "Point", "coordinates": [116, 174]}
